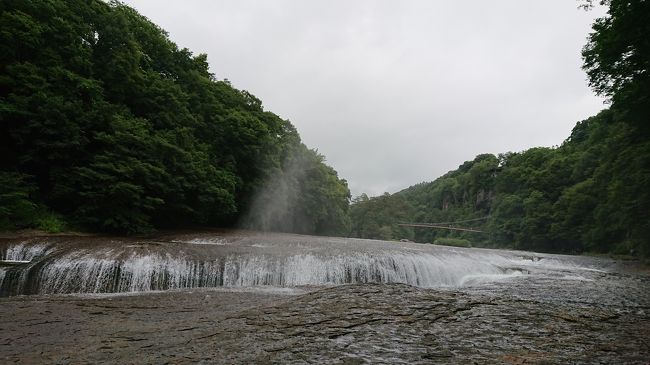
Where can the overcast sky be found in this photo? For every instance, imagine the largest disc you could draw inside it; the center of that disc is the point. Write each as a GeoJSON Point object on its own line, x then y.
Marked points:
{"type": "Point", "coordinates": [394, 93]}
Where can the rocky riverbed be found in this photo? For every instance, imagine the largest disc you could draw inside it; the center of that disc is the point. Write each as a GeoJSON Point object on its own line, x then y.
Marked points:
{"type": "Point", "coordinates": [368, 323]}
{"type": "Point", "coordinates": [546, 309]}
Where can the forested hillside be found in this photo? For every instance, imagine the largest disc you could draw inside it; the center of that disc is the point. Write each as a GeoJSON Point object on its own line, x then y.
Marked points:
{"type": "Point", "coordinates": [592, 193]}
{"type": "Point", "coordinates": [107, 125]}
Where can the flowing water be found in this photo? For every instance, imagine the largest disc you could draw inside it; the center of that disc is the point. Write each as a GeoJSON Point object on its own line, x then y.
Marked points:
{"type": "Point", "coordinates": [92, 265]}
{"type": "Point", "coordinates": [289, 298]}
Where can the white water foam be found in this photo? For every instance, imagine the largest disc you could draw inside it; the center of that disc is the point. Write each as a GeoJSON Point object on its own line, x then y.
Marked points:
{"type": "Point", "coordinates": [86, 271]}
{"type": "Point", "coordinates": [205, 241]}
{"type": "Point", "coordinates": [129, 268]}
{"type": "Point", "coordinates": [25, 251]}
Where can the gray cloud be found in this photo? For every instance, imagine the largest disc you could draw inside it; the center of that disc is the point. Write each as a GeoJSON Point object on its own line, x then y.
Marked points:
{"type": "Point", "coordinates": [398, 92]}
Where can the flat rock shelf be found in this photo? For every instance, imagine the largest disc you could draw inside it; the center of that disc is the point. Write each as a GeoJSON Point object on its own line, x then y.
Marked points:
{"type": "Point", "coordinates": [353, 324]}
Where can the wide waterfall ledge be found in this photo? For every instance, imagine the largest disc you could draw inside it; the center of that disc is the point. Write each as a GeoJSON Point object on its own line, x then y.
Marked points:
{"type": "Point", "coordinates": [53, 265]}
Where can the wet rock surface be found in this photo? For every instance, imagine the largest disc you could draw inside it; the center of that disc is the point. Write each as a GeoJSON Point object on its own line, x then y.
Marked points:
{"type": "Point", "coordinates": [364, 323]}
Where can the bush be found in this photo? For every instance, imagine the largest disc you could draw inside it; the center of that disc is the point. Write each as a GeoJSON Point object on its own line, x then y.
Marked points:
{"type": "Point", "coordinates": [16, 209]}
{"type": "Point", "coordinates": [456, 242]}
{"type": "Point", "coordinates": [50, 222]}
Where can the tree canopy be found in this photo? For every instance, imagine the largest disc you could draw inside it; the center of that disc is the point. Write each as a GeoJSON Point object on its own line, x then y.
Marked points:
{"type": "Point", "coordinates": [108, 125]}
{"type": "Point", "coordinates": [616, 59]}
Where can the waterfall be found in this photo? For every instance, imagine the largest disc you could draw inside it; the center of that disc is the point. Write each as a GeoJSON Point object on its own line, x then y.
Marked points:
{"type": "Point", "coordinates": [107, 267]}
{"type": "Point", "coordinates": [24, 251]}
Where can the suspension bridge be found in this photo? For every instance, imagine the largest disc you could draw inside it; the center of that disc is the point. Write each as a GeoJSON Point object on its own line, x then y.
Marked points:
{"type": "Point", "coordinates": [447, 225]}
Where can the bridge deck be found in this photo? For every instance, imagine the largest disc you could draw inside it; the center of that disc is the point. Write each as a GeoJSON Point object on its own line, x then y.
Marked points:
{"type": "Point", "coordinates": [424, 225]}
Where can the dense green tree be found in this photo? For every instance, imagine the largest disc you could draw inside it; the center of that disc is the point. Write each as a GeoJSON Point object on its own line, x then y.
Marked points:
{"type": "Point", "coordinates": [16, 208]}
{"type": "Point", "coordinates": [378, 217]}
{"type": "Point", "coordinates": [616, 59]}
{"type": "Point", "coordinates": [303, 196]}
{"type": "Point", "coordinates": [590, 194]}
{"type": "Point", "coordinates": [117, 129]}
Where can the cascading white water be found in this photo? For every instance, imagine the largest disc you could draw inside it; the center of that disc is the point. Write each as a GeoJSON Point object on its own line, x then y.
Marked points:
{"type": "Point", "coordinates": [283, 261]}
{"type": "Point", "coordinates": [25, 251]}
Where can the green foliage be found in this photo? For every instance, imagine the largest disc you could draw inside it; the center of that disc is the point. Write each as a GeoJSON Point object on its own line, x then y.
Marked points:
{"type": "Point", "coordinates": [589, 194]}
{"type": "Point", "coordinates": [378, 217]}
{"type": "Point", "coordinates": [50, 222]}
{"type": "Point", "coordinates": [616, 59]}
{"type": "Point", "coordinates": [16, 208]}
{"type": "Point", "coordinates": [303, 196]}
{"type": "Point", "coordinates": [120, 130]}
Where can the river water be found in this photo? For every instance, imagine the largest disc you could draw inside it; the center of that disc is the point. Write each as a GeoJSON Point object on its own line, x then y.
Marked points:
{"type": "Point", "coordinates": [242, 297]}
